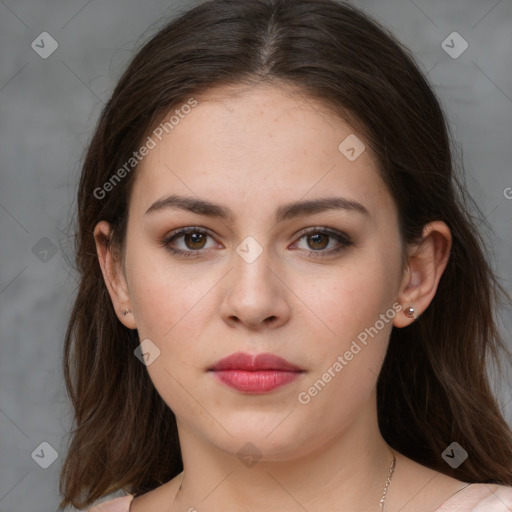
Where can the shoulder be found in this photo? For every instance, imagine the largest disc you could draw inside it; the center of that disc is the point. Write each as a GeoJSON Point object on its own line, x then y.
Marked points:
{"type": "Point", "coordinates": [157, 499]}
{"type": "Point", "coordinates": [116, 505]}
{"type": "Point", "coordinates": [480, 498]}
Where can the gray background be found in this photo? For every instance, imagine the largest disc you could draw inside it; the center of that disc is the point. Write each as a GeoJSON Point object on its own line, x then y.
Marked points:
{"type": "Point", "coordinates": [48, 109]}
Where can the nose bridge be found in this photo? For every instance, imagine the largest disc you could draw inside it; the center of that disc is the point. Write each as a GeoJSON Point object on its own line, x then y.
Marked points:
{"type": "Point", "coordinates": [254, 294]}
{"type": "Point", "coordinates": [252, 269]}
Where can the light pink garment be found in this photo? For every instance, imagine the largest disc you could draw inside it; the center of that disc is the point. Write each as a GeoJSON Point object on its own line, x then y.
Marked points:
{"type": "Point", "coordinates": [474, 498]}
{"type": "Point", "coordinates": [117, 505]}
{"type": "Point", "coordinates": [480, 498]}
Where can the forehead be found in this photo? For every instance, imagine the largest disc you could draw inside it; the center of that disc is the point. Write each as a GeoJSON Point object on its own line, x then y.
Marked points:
{"type": "Point", "coordinates": [252, 146]}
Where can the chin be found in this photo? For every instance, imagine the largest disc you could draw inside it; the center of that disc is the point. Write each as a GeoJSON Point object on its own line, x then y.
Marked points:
{"type": "Point", "coordinates": [270, 439]}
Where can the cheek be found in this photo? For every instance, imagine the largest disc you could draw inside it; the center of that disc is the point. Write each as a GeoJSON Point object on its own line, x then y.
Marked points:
{"type": "Point", "coordinates": [166, 297]}
{"type": "Point", "coordinates": [348, 299]}
{"type": "Point", "coordinates": [169, 309]}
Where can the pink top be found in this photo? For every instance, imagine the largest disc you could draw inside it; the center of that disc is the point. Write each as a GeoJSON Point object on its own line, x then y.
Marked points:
{"type": "Point", "coordinates": [473, 498]}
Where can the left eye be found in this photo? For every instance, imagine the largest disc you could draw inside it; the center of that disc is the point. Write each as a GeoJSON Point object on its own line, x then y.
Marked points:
{"type": "Point", "coordinates": [318, 239]}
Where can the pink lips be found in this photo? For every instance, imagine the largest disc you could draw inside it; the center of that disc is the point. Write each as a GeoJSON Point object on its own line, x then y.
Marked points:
{"type": "Point", "coordinates": [255, 374]}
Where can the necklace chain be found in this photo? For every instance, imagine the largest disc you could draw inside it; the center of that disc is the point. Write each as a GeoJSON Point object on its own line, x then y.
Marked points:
{"type": "Point", "coordinates": [381, 502]}
{"type": "Point", "coordinates": [388, 482]}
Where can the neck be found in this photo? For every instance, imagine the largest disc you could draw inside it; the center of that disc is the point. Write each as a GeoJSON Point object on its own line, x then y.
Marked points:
{"type": "Point", "coordinates": [346, 472]}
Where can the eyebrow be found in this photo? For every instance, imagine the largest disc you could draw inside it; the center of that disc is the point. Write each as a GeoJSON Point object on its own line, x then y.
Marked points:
{"type": "Point", "coordinates": [282, 213]}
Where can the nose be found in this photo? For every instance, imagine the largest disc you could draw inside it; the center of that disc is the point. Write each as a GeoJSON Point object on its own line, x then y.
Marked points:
{"type": "Point", "coordinates": [256, 296]}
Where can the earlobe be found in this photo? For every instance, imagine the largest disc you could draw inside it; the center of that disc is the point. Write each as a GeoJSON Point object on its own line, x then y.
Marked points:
{"type": "Point", "coordinates": [110, 263]}
{"type": "Point", "coordinates": [427, 261]}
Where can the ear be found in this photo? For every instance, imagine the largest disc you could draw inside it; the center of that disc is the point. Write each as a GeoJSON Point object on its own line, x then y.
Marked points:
{"type": "Point", "coordinates": [113, 275]}
{"type": "Point", "coordinates": [427, 261]}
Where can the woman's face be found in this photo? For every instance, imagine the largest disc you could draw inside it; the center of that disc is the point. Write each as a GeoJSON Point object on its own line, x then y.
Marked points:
{"type": "Point", "coordinates": [255, 281]}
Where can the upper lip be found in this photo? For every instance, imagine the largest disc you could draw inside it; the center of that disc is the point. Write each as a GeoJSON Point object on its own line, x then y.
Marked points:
{"type": "Point", "coordinates": [252, 362]}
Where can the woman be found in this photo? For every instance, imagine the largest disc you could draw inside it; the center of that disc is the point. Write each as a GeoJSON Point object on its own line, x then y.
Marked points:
{"type": "Point", "coordinates": [284, 303]}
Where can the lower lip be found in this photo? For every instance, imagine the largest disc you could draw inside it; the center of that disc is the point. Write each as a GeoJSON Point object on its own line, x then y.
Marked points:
{"type": "Point", "coordinates": [261, 381]}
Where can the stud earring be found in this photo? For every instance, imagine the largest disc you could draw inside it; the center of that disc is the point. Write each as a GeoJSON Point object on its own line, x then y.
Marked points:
{"type": "Point", "coordinates": [409, 312]}
{"type": "Point", "coordinates": [124, 312]}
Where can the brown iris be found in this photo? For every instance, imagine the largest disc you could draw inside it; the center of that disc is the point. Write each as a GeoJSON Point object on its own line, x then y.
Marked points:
{"type": "Point", "coordinates": [317, 239]}
{"type": "Point", "coordinates": [196, 239]}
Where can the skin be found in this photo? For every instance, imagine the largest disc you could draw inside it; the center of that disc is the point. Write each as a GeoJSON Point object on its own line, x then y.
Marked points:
{"type": "Point", "coordinates": [253, 149]}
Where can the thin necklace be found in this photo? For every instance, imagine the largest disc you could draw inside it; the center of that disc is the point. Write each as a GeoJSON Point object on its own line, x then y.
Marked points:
{"type": "Point", "coordinates": [381, 502]}
{"type": "Point", "coordinates": [388, 482]}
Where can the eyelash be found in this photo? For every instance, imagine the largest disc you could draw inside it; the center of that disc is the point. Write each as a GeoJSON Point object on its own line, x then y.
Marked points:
{"type": "Point", "coordinates": [343, 239]}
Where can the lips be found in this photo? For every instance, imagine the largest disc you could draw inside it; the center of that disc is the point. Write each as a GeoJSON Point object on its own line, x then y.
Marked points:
{"type": "Point", "coordinates": [255, 374]}
{"type": "Point", "coordinates": [248, 362]}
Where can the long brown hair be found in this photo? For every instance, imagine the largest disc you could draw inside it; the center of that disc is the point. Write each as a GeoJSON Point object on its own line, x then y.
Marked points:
{"type": "Point", "coordinates": [434, 385]}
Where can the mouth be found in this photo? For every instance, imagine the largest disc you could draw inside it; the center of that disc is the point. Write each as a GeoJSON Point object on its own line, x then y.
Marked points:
{"type": "Point", "coordinates": [255, 374]}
